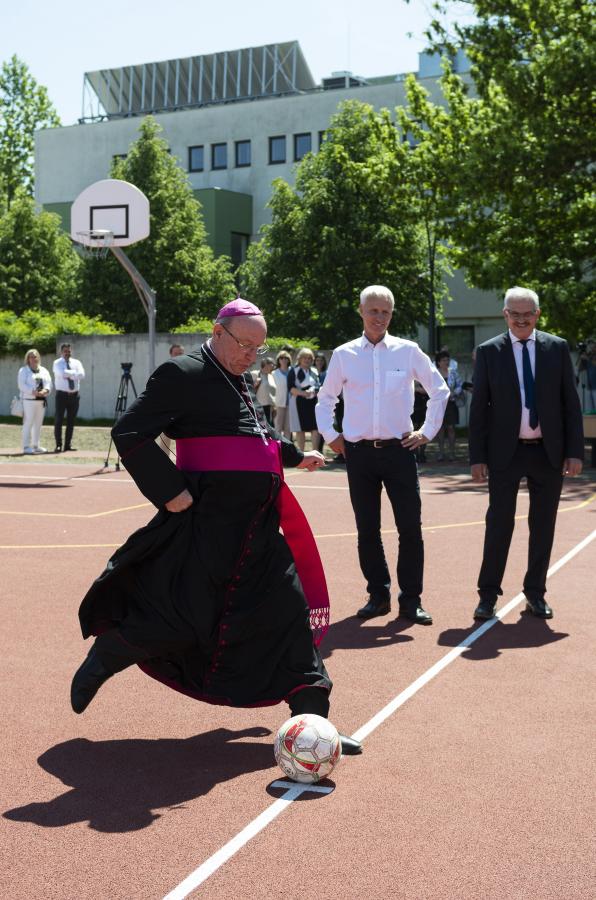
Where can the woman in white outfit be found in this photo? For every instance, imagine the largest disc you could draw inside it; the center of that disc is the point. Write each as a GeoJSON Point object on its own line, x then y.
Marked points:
{"type": "Point", "coordinates": [280, 376]}
{"type": "Point", "coordinates": [34, 384]}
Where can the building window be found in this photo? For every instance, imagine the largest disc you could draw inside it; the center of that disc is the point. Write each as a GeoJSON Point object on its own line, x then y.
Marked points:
{"type": "Point", "coordinates": [242, 154]}
{"type": "Point", "coordinates": [322, 138]}
{"type": "Point", "coordinates": [219, 156]}
{"type": "Point", "coordinates": [238, 247]}
{"type": "Point", "coordinates": [277, 150]}
{"type": "Point", "coordinates": [302, 146]}
{"type": "Point", "coordinates": [196, 159]}
{"type": "Point", "coordinates": [459, 339]}
{"type": "Point", "coordinates": [119, 156]}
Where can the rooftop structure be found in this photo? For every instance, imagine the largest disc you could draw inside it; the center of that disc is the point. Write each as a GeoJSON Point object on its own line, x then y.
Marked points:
{"type": "Point", "coordinates": [232, 75]}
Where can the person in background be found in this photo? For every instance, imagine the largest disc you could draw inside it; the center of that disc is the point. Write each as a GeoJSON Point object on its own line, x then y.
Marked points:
{"type": "Point", "coordinates": [34, 384]}
{"type": "Point", "coordinates": [280, 376]}
{"type": "Point", "coordinates": [451, 417]}
{"type": "Point", "coordinates": [452, 362]}
{"type": "Point", "coordinates": [321, 367]}
{"type": "Point", "coordinates": [303, 385]}
{"type": "Point", "coordinates": [68, 374]}
{"type": "Point", "coordinates": [265, 387]}
{"type": "Point", "coordinates": [163, 440]}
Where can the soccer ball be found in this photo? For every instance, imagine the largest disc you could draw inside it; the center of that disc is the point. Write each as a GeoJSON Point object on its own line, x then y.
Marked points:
{"type": "Point", "coordinates": [307, 748]}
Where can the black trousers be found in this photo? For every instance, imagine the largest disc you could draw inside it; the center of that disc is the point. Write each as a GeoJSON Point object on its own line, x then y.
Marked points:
{"type": "Point", "coordinates": [369, 470]}
{"type": "Point", "coordinates": [544, 486]}
{"type": "Point", "coordinates": [69, 404]}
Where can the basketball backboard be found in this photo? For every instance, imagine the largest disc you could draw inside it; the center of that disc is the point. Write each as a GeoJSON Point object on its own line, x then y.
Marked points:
{"type": "Point", "coordinates": [113, 206]}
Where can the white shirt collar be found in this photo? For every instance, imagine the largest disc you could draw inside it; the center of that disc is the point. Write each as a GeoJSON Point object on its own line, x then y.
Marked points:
{"type": "Point", "coordinates": [515, 339]}
{"type": "Point", "coordinates": [386, 340]}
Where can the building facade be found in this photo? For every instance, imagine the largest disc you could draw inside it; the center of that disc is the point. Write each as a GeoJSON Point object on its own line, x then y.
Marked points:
{"type": "Point", "coordinates": [235, 121]}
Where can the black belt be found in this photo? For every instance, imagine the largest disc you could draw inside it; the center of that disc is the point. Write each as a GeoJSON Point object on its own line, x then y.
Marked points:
{"type": "Point", "coordinates": [70, 393]}
{"type": "Point", "coordinates": [529, 441]}
{"type": "Point", "coordinates": [388, 442]}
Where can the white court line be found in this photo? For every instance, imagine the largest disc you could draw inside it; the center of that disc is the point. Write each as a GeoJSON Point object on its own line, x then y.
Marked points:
{"type": "Point", "coordinates": [201, 874]}
{"type": "Point", "coordinates": [78, 478]}
{"type": "Point", "coordinates": [206, 869]}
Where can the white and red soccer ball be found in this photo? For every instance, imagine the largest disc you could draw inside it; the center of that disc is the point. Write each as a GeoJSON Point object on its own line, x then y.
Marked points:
{"type": "Point", "coordinates": [307, 748]}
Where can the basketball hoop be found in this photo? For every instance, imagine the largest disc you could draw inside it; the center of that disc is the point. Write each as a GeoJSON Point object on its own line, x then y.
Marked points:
{"type": "Point", "coordinates": [95, 243]}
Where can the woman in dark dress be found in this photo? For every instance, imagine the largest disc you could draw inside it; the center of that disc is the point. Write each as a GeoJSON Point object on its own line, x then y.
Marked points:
{"type": "Point", "coordinates": [303, 386]}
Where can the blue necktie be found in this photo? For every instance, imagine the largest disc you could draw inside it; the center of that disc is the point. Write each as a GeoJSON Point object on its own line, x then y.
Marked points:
{"type": "Point", "coordinates": [530, 402]}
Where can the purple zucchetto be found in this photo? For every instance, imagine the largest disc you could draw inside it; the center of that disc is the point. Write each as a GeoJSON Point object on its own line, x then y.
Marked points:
{"type": "Point", "coordinates": [239, 307]}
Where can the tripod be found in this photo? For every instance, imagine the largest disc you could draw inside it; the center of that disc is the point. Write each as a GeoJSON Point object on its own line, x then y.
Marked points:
{"type": "Point", "coordinates": [121, 403]}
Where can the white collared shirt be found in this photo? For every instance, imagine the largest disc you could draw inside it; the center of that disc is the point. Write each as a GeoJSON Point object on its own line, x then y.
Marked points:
{"type": "Point", "coordinates": [377, 381]}
{"type": "Point", "coordinates": [64, 370]}
{"type": "Point", "coordinates": [525, 429]}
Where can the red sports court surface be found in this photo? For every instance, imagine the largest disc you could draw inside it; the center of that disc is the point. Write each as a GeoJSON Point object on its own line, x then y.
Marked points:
{"type": "Point", "coordinates": [477, 782]}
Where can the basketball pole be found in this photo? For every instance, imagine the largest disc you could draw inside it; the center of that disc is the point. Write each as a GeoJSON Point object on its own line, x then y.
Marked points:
{"type": "Point", "coordinates": [147, 297]}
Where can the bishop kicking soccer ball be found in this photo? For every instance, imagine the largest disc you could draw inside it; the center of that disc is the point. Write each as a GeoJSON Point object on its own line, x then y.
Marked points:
{"type": "Point", "coordinates": [307, 748]}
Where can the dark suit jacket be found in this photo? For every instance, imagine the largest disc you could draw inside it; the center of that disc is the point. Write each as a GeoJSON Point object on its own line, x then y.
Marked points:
{"type": "Point", "coordinates": [495, 411]}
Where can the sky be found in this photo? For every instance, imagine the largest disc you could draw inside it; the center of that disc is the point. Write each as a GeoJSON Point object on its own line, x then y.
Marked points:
{"type": "Point", "coordinates": [62, 39]}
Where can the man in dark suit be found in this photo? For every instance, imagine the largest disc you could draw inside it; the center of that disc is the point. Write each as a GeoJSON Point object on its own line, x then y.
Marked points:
{"type": "Point", "coordinates": [525, 421]}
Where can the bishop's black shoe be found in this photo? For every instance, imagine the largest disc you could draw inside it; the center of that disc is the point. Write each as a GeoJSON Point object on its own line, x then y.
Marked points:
{"type": "Point", "coordinates": [350, 747]}
{"type": "Point", "coordinates": [485, 609]}
{"type": "Point", "coordinates": [416, 614]}
{"type": "Point", "coordinates": [374, 608]}
{"type": "Point", "coordinates": [70, 449]}
{"type": "Point", "coordinates": [539, 608]}
{"type": "Point", "coordinates": [88, 679]}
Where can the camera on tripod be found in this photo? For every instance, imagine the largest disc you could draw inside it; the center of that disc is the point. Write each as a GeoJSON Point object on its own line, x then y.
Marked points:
{"type": "Point", "coordinates": [126, 368]}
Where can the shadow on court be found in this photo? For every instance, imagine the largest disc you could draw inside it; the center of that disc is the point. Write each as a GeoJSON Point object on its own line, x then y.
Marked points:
{"type": "Point", "coordinates": [356, 634]}
{"type": "Point", "coordinates": [527, 632]}
{"type": "Point", "coordinates": [117, 785]}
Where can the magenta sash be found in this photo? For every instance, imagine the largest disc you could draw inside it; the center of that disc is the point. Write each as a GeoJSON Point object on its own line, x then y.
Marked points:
{"type": "Point", "coordinates": [252, 454]}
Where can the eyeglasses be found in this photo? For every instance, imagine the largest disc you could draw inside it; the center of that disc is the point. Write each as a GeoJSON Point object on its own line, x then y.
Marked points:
{"type": "Point", "coordinates": [519, 317]}
{"type": "Point", "coordinates": [248, 348]}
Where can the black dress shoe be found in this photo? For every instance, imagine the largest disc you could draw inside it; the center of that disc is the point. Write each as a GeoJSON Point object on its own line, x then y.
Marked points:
{"type": "Point", "coordinates": [58, 449]}
{"type": "Point", "coordinates": [70, 449]}
{"type": "Point", "coordinates": [88, 679]}
{"type": "Point", "coordinates": [417, 615]}
{"type": "Point", "coordinates": [485, 609]}
{"type": "Point", "coordinates": [350, 747]}
{"type": "Point", "coordinates": [374, 608]}
{"type": "Point", "coordinates": [539, 608]}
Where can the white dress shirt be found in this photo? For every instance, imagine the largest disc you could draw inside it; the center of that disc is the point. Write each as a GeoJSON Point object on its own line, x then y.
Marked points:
{"type": "Point", "coordinates": [281, 387]}
{"type": "Point", "coordinates": [525, 430]}
{"type": "Point", "coordinates": [28, 381]}
{"type": "Point", "coordinates": [64, 370]}
{"type": "Point", "coordinates": [377, 381]}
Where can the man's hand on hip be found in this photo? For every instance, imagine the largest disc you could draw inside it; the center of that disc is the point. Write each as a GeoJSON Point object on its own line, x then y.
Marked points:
{"type": "Point", "coordinates": [312, 460]}
{"type": "Point", "coordinates": [413, 439]}
{"type": "Point", "coordinates": [338, 445]}
{"type": "Point", "coordinates": [479, 472]}
{"type": "Point", "coordinates": [179, 503]}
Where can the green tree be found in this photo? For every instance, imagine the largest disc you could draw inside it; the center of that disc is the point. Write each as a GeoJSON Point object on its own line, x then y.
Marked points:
{"type": "Point", "coordinates": [175, 259]}
{"type": "Point", "coordinates": [38, 267]}
{"type": "Point", "coordinates": [528, 215]}
{"type": "Point", "coordinates": [24, 108]}
{"type": "Point", "coordinates": [351, 220]}
{"type": "Point", "coordinates": [438, 138]}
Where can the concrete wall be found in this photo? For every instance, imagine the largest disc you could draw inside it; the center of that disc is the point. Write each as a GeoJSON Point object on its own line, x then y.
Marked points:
{"type": "Point", "coordinates": [101, 356]}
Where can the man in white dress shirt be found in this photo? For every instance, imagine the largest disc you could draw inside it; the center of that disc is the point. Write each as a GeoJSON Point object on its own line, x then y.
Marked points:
{"type": "Point", "coordinates": [68, 374]}
{"type": "Point", "coordinates": [376, 373]}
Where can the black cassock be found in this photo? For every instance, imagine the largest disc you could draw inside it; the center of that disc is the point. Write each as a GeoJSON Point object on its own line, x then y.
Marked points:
{"type": "Point", "coordinates": [209, 597]}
